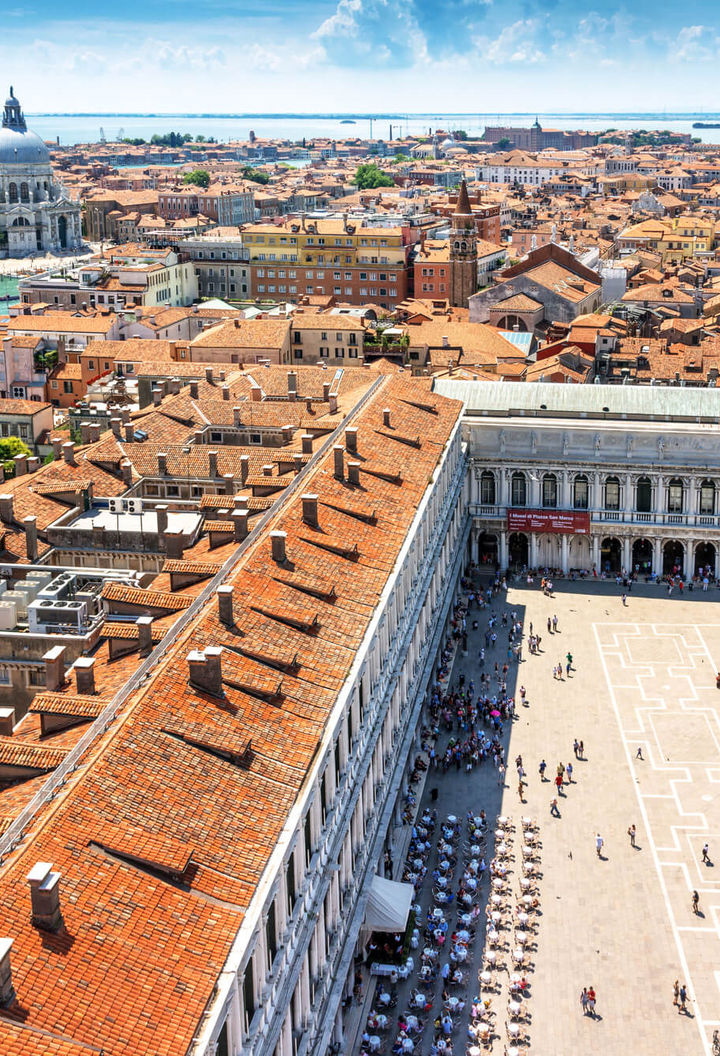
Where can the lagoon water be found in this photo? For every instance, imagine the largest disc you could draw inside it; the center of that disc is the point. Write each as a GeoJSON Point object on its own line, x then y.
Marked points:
{"type": "Point", "coordinates": [85, 128]}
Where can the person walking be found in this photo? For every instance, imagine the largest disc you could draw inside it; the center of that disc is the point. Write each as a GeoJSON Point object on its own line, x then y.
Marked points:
{"type": "Point", "coordinates": [555, 624]}
{"type": "Point", "coordinates": [638, 753]}
{"type": "Point", "coordinates": [599, 844]}
{"type": "Point", "coordinates": [569, 772]}
{"type": "Point", "coordinates": [676, 993]}
{"type": "Point", "coordinates": [696, 903]}
{"type": "Point", "coordinates": [542, 768]}
{"type": "Point", "coordinates": [559, 784]}
{"type": "Point", "coordinates": [576, 745]}
{"type": "Point", "coordinates": [631, 834]}
{"type": "Point", "coordinates": [584, 1000]}
{"type": "Point", "coordinates": [581, 750]}
{"type": "Point", "coordinates": [624, 599]}
{"type": "Point", "coordinates": [683, 997]}
{"type": "Point", "coordinates": [705, 856]}
{"type": "Point", "coordinates": [549, 625]}
{"type": "Point", "coordinates": [591, 1000]}
{"type": "Point", "coordinates": [554, 812]}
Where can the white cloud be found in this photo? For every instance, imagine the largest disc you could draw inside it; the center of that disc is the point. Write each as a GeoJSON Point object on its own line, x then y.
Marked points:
{"type": "Point", "coordinates": [516, 43]}
{"type": "Point", "coordinates": [694, 44]}
{"type": "Point", "coordinates": [374, 32]}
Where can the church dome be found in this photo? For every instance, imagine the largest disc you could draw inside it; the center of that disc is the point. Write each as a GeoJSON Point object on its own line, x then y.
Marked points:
{"type": "Point", "coordinates": [19, 146]}
{"type": "Point", "coordinates": [22, 148]}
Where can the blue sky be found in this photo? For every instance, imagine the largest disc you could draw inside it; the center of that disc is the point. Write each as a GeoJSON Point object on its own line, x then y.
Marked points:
{"type": "Point", "coordinates": [361, 55]}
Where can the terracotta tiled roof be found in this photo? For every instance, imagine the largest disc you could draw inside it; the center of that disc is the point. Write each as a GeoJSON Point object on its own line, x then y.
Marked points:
{"type": "Point", "coordinates": [33, 756]}
{"type": "Point", "coordinates": [129, 632]}
{"type": "Point", "coordinates": [196, 568]}
{"type": "Point", "coordinates": [151, 599]}
{"type": "Point", "coordinates": [63, 704]}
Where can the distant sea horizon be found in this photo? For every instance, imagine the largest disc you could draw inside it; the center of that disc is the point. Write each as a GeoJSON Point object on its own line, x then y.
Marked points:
{"type": "Point", "coordinates": [85, 127]}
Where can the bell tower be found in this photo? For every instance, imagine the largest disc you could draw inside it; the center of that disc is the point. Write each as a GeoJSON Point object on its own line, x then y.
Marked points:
{"type": "Point", "coordinates": [463, 251]}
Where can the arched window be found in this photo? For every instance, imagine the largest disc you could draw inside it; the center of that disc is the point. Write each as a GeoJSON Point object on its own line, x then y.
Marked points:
{"type": "Point", "coordinates": [580, 492]}
{"type": "Point", "coordinates": [707, 497]}
{"type": "Point", "coordinates": [12, 192]}
{"type": "Point", "coordinates": [518, 491]}
{"type": "Point", "coordinates": [643, 495]}
{"type": "Point", "coordinates": [675, 496]}
{"type": "Point", "coordinates": [549, 490]}
{"type": "Point", "coordinates": [487, 488]}
{"type": "Point", "coordinates": [24, 192]}
{"type": "Point", "coordinates": [463, 247]}
{"type": "Point", "coordinates": [612, 493]}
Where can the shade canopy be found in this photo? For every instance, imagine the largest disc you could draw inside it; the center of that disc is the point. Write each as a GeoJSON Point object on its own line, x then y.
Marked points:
{"type": "Point", "coordinates": [389, 904]}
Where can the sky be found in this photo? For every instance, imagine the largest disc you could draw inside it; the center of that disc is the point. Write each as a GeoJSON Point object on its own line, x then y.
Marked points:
{"type": "Point", "coordinates": [362, 55]}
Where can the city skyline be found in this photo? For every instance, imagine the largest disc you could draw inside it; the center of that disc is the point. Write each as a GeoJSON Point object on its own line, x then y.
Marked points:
{"type": "Point", "coordinates": [353, 53]}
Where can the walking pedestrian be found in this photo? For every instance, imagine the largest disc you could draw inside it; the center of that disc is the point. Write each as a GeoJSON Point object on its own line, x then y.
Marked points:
{"type": "Point", "coordinates": [638, 753]}
{"type": "Point", "coordinates": [555, 624]}
{"type": "Point", "coordinates": [558, 784]}
{"type": "Point", "coordinates": [576, 746]}
{"type": "Point", "coordinates": [581, 750]}
{"type": "Point", "coordinates": [676, 992]}
{"type": "Point", "coordinates": [631, 834]}
{"type": "Point", "coordinates": [501, 775]}
{"type": "Point", "coordinates": [569, 772]}
{"type": "Point", "coordinates": [695, 902]}
{"type": "Point", "coordinates": [591, 1000]}
{"type": "Point", "coordinates": [584, 1000]}
{"type": "Point", "coordinates": [705, 856]}
{"type": "Point", "coordinates": [554, 812]}
{"type": "Point", "coordinates": [683, 997]}
{"type": "Point", "coordinates": [542, 768]}
{"type": "Point", "coordinates": [549, 625]}
{"type": "Point", "coordinates": [599, 844]}
{"type": "Point", "coordinates": [624, 599]}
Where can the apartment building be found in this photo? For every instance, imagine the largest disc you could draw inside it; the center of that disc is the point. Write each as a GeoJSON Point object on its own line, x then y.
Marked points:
{"type": "Point", "coordinates": [331, 257]}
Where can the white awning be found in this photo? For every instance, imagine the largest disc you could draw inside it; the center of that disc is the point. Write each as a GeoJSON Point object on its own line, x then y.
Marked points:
{"type": "Point", "coordinates": [388, 905]}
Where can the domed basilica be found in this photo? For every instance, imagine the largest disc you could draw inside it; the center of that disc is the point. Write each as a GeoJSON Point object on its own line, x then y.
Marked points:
{"type": "Point", "coordinates": [36, 216]}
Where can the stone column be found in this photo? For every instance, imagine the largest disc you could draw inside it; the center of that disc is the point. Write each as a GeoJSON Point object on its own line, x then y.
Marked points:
{"type": "Point", "coordinates": [565, 502]}
{"type": "Point", "coordinates": [595, 503]}
{"type": "Point", "coordinates": [626, 553]}
{"type": "Point", "coordinates": [503, 555]}
{"type": "Point", "coordinates": [628, 496]}
{"type": "Point", "coordinates": [564, 541]}
{"type": "Point", "coordinates": [535, 491]}
{"type": "Point", "coordinates": [595, 552]}
{"type": "Point", "coordinates": [692, 501]}
{"type": "Point", "coordinates": [657, 554]}
{"type": "Point", "coordinates": [532, 550]}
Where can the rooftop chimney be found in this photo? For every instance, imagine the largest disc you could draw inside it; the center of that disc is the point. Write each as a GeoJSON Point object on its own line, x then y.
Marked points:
{"type": "Point", "coordinates": [326, 391]}
{"type": "Point", "coordinates": [161, 512]}
{"type": "Point", "coordinates": [68, 450]}
{"type": "Point", "coordinates": [267, 469]}
{"type": "Point", "coordinates": [386, 417]}
{"type": "Point", "coordinates": [94, 432]}
{"type": "Point", "coordinates": [339, 461]}
{"type": "Point", "coordinates": [332, 401]}
{"type": "Point", "coordinates": [7, 993]}
{"type": "Point", "coordinates": [209, 375]}
{"type": "Point", "coordinates": [144, 626]}
{"type": "Point", "coordinates": [115, 425]}
{"type": "Point", "coordinates": [129, 429]}
{"type": "Point", "coordinates": [174, 543]}
{"type": "Point", "coordinates": [125, 414]}
{"type": "Point", "coordinates": [174, 386]}
{"type": "Point", "coordinates": [239, 519]}
{"type": "Point", "coordinates": [292, 385]}
{"type": "Point", "coordinates": [162, 463]}
{"type": "Point", "coordinates": [244, 468]}
{"type": "Point", "coordinates": [310, 509]}
{"type": "Point", "coordinates": [198, 437]}
{"type": "Point", "coordinates": [194, 390]}
{"type": "Point", "coordinates": [351, 439]}
{"type": "Point", "coordinates": [353, 469]}
{"type": "Point", "coordinates": [225, 392]}
{"type": "Point", "coordinates": [229, 481]}
{"type": "Point", "coordinates": [277, 541]}
{"type": "Point", "coordinates": [237, 417]}
{"type": "Point", "coordinates": [31, 538]}
{"type": "Point", "coordinates": [213, 463]}
{"type": "Point", "coordinates": [225, 605]}
{"type": "Point", "coordinates": [84, 434]}
{"type": "Point", "coordinates": [255, 393]}
{"type": "Point", "coordinates": [157, 395]}
{"type": "Point", "coordinates": [126, 470]}
{"type": "Point", "coordinates": [45, 897]}
{"type": "Point", "coordinates": [57, 443]}
{"type": "Point", "coordinates": [307, 442]}
{"type": "Point", "coordinates": [7, 722]}
{"type": "Point", "coordinates": [205, 670]}
{"type": "Point", "coordinates": [7, 514]}
{"type": "Point", "coordinates": [297, 462]}
{"type": "Point", "coordinates": [85, 675]}
{"type": "Point", "coordinates": [54, 668]}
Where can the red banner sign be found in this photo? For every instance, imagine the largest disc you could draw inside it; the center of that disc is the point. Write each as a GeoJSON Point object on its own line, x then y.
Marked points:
{"type": "Point", "coordinates": [567, 522]}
